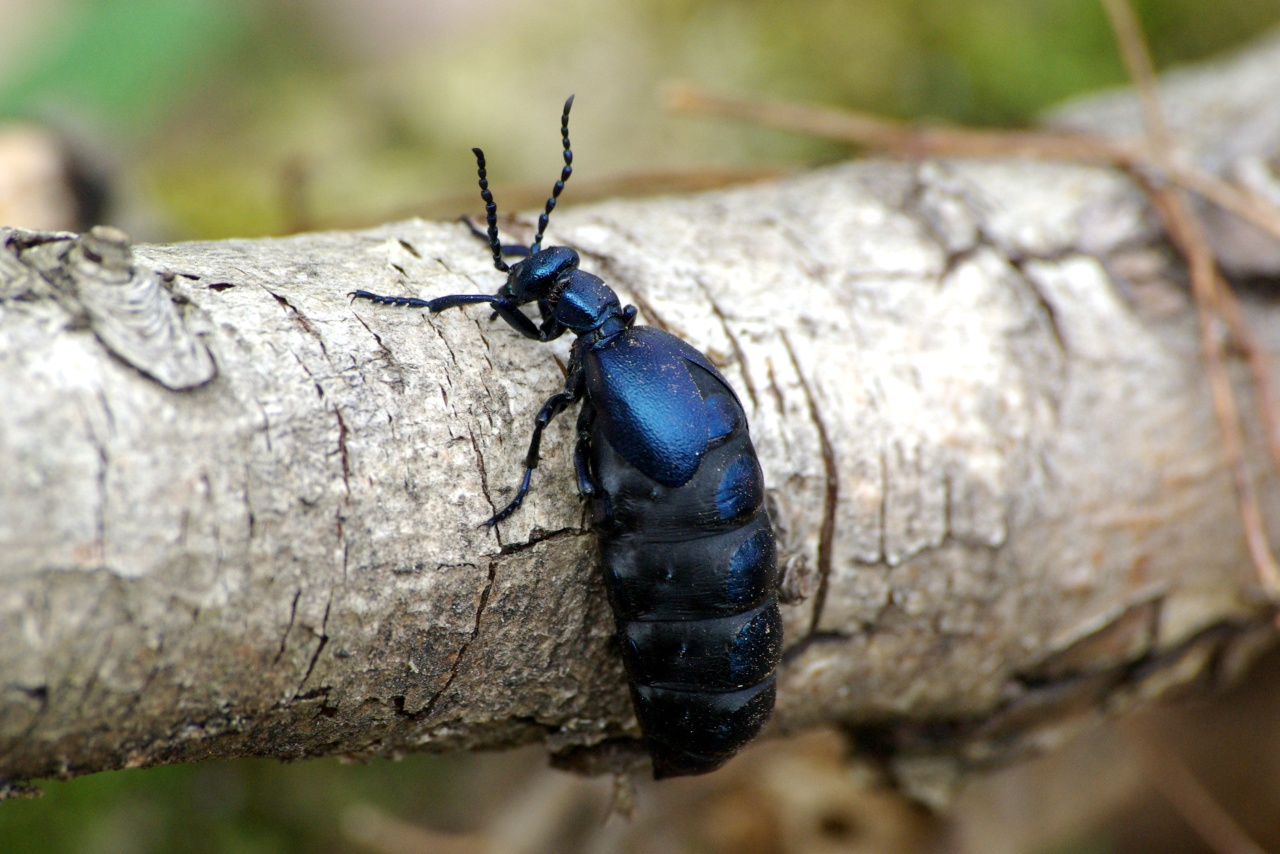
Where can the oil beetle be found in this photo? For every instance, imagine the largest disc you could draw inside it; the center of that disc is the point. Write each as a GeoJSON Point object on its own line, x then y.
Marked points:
{"type": "Point", "coordinates": [676, 493]}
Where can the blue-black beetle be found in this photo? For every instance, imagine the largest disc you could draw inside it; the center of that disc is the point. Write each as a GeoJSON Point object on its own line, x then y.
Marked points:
{"type": "Point", "coordinates": [676, 492]}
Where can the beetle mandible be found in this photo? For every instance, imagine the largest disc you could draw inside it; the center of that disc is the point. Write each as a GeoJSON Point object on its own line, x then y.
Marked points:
{"type": "Point", "coordinates": [676, 493]}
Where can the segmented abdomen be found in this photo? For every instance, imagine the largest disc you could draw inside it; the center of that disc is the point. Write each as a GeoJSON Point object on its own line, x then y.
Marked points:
{"type": "Point", "coordinates": [692, 572]}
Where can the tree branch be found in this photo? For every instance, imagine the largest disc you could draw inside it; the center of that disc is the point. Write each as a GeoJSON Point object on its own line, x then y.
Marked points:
{"type": "Point", "coordinates": [975, 388]}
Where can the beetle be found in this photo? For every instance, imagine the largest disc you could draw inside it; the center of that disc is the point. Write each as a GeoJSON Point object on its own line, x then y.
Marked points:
{"type": "Point", "coordinates": [664, 457]}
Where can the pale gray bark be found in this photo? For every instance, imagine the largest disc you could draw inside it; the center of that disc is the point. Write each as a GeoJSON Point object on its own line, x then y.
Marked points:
{"type": "Point", "coordinates": [975, 388]}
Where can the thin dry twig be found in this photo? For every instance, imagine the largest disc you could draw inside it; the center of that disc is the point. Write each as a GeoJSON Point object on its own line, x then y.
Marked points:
{"type": "Point", "coordinates": [907, 140]}
{"type": "Point", "coordinates": [1137, 61]}
{"type": "Point", "coordinates": [1214, 301]}
{"type": "Point", "coordinates": [530, 195]}
{"type": "Point", "coordinates": [1182, 788]}
{"type": "Point", "coordinates": [1207, 288]}
{"type": "Point", "coordinates": [1165, 178]}
{"type": "Point", "coordinates": [1259, 361]}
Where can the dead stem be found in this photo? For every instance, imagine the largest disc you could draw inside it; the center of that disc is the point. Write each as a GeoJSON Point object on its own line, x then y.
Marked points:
{"type": "Point", "coordinates": [905, 140]}
{"type": "Point", "coordinates": [1181, 788]}
{"type": "Point", "coordinates": [1259, 366]}
{"type": "Point", "coordinates": [1137, 61]}
{"type": "Point", "coordinates": [1207, 288]}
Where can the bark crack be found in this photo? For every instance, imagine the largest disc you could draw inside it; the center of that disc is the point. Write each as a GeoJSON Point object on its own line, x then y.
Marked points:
{"type": "Point", "coordinates": [324, 641]}
{"type": "Point", "coordinates": [538, 536]}
{"type": "Point", "coordinates": [738, 353]}
{"type": "Point", "coordinates": [301, 319]}
{"type": "Point", "coordinates": [884, 506]}
{"type": "Point", "coordinates": [293, 613]}
{"type": "Point", "coordinates": [947, 507]}
{"type": "Point", "coordinates": [484, 339]}
{"type": "Point", "coordinates": [445, 341]}
{"type": "Point", "coordinates": [342, 452]}
{"type": "Point", "coordinates": [425, 712]}
{"type": "Point", "coordinates": [484, 483]}
{"type": "Point", "coordinates": [831, 495]}
{"type": "Point", "coordinates": [104, 656]}
{"type": "Point", "coordinates": [346, 546]}
{"type": "Point", "coordinates": [774, 389]}
{"type": "Point", "coordinates": [1046, 307]}
{"type": "Point", "coordinates": [376, 337]}
{"type": "Point", "coordinates": [266, 422]}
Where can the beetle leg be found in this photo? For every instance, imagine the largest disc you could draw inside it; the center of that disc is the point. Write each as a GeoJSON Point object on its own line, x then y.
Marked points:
{"type": "Point", "coordinates": [573, 390]}
{"type": "Point", "coordinates": [516, 319]}
{"type": "Point", "coordinates": [408, 302]}
{"type": "Point", "coordinates": [549, 330]}
{"type": "Point", "coordinates": [432, 305]}
{"type": "Point", "coordinates": [582, 452]}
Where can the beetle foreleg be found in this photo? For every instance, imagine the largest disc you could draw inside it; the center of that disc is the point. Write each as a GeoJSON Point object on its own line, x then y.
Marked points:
{"type": "Point", "coordinates": [432, 305]}
{"type": "Point", "coordinates": [522, 323]}
{"type": "Point", "coordinates": [407, 302]}
{"type": "Point", "coordinates": [502, 307]}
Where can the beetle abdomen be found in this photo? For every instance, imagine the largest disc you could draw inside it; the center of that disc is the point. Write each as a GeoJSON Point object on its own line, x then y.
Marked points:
{"type": "Point", "coordinates": [692, 573]}
{"type": "Point", "coordinates": [693, 732]}
{"type": "Point", "coordinates": [713, 654]}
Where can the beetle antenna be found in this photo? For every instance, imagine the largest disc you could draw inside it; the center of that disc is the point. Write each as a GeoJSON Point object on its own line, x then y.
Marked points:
{"type": "Point", "coordinates": [490, 213]}
{"type": "Point", "coordinates": [564, 176]}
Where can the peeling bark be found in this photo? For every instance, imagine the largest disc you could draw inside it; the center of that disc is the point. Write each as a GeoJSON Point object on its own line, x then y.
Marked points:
{"type": "Point", "coordinates": [974, 387]}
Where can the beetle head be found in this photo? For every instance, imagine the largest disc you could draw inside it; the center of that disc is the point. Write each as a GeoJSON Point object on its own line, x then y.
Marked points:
{"type": "Point", "coordinates": [543, 274]}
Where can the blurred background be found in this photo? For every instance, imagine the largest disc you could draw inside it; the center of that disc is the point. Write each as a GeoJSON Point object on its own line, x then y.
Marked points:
{"type": "Point", "coordinates": [204, 119]}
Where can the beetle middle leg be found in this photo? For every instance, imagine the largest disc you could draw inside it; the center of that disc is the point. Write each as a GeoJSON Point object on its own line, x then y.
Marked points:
{"type": "Point", "coordinates": [573, 390]}
{"type": "Point", "coordinates": [582, 451]}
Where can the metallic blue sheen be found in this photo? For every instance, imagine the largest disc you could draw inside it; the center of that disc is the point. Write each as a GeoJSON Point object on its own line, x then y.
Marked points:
{"type": "Point", "coordinates": [530, 277]}
{"type": "Point", "coordinates": [751, 569]}
{"type": "Point", "coordinates": [760, 640]}
{"type": "Point", "coordinates": [722, 417]}
{"type": "Point", "coordinates": [586, 302]}
{"type": "Point", "coordinates": [741, 488]}
{"type": "Point", "coordinates": [647, 404]}
{"type": "Point", "coordinates": [713, 654]}
{"type": "Point", "coordinates": [724, 722]}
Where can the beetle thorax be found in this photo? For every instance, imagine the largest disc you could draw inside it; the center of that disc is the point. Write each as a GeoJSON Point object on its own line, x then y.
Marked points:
{"type": "Point", "coordinates": [585, 303]}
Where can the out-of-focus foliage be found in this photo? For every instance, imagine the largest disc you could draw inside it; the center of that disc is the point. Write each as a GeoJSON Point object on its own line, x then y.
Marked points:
{"type": "Point", "coordinates": [251, 806]}
{"type": "Point", "coordinates": [127, 62]}
{"type": "Point", "coordinates": [224, 117]}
